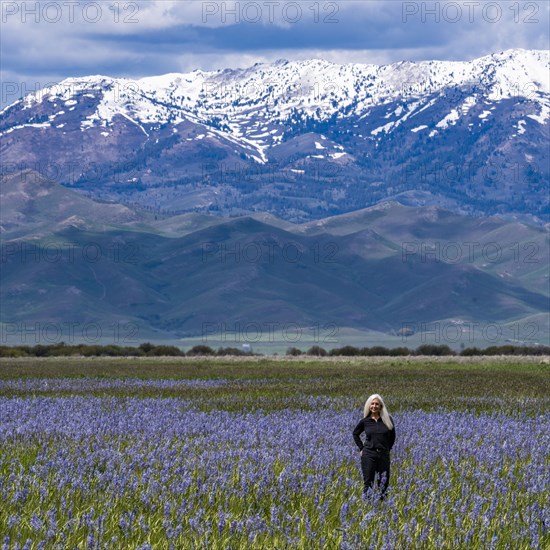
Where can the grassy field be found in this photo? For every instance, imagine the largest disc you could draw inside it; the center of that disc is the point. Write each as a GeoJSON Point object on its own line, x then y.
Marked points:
{"type": "Point", "coordinates": [236, 454]}
{"type": "Point", "coordinates": [410, 382]}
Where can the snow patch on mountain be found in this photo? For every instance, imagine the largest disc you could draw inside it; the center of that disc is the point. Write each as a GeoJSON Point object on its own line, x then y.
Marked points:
{"type": "Point", "coordinates": [317, 88]}
{"type": "Point", "coordinates": [253, 108]}
{"type": "Point", "coordinates": [449, 120]}
{"type": "Point", "coordinates": [543, 116]}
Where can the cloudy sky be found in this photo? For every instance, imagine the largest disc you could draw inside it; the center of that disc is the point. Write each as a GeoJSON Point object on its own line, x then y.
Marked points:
{"type": "Point", "coordinates": [43, 42]}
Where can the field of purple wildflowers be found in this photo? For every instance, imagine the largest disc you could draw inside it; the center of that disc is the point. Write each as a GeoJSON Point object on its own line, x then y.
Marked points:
{"type": "Point", "coordinates": [265, 459]}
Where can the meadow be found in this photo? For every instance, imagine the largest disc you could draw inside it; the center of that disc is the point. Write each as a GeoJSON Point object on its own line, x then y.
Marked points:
{"type": "Point", "coordinates": [246, 453]}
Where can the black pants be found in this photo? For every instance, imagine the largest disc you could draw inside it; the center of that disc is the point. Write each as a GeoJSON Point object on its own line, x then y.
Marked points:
{"type": "Point", "coordinates": [372, 463]}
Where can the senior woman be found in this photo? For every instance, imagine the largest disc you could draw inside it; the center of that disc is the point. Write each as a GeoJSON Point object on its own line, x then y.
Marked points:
{"type": "Point", "coordinates": [377, 424]}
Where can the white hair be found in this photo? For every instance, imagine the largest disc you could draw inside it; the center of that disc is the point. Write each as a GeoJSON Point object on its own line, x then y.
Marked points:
{"type": "Point", "coordinates": [384, 414]}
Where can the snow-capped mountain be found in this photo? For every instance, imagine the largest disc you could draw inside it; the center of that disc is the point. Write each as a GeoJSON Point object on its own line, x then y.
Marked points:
{"type": "Point", "coordinates": [299, 139]}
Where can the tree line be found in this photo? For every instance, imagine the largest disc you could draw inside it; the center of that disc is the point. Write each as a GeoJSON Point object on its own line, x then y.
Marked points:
{"type": "Point", "coordinates": [151, 350]}
{"type": "Point", "coordinates": [424, 349]}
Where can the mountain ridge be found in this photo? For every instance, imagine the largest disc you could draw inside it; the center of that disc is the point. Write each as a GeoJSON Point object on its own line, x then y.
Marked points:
{"type": "Point", "coordinates": [382, 269]}
{"type": "Point", "coordinates": [302, 140]}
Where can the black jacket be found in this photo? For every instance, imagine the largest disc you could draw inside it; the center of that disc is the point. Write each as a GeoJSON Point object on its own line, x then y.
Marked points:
{"type": "Point", "coordinates": [377, 435]}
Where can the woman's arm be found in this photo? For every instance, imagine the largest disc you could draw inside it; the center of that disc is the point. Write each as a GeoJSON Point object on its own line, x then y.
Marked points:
{"type": "Point", "coordinates": [357, 432]}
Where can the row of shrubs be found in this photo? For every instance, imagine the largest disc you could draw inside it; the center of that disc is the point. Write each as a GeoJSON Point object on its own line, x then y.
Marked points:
{"type": "Point", "coordinates": [150, 350]}
{"type": "Point", "coordinates": [425, 349]}
{"type": "Point", "coordinates": [144, 350]}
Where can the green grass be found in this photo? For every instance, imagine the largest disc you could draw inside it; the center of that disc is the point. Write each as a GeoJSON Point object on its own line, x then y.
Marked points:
{"type": "Point", "coordinates": [274, 384]}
